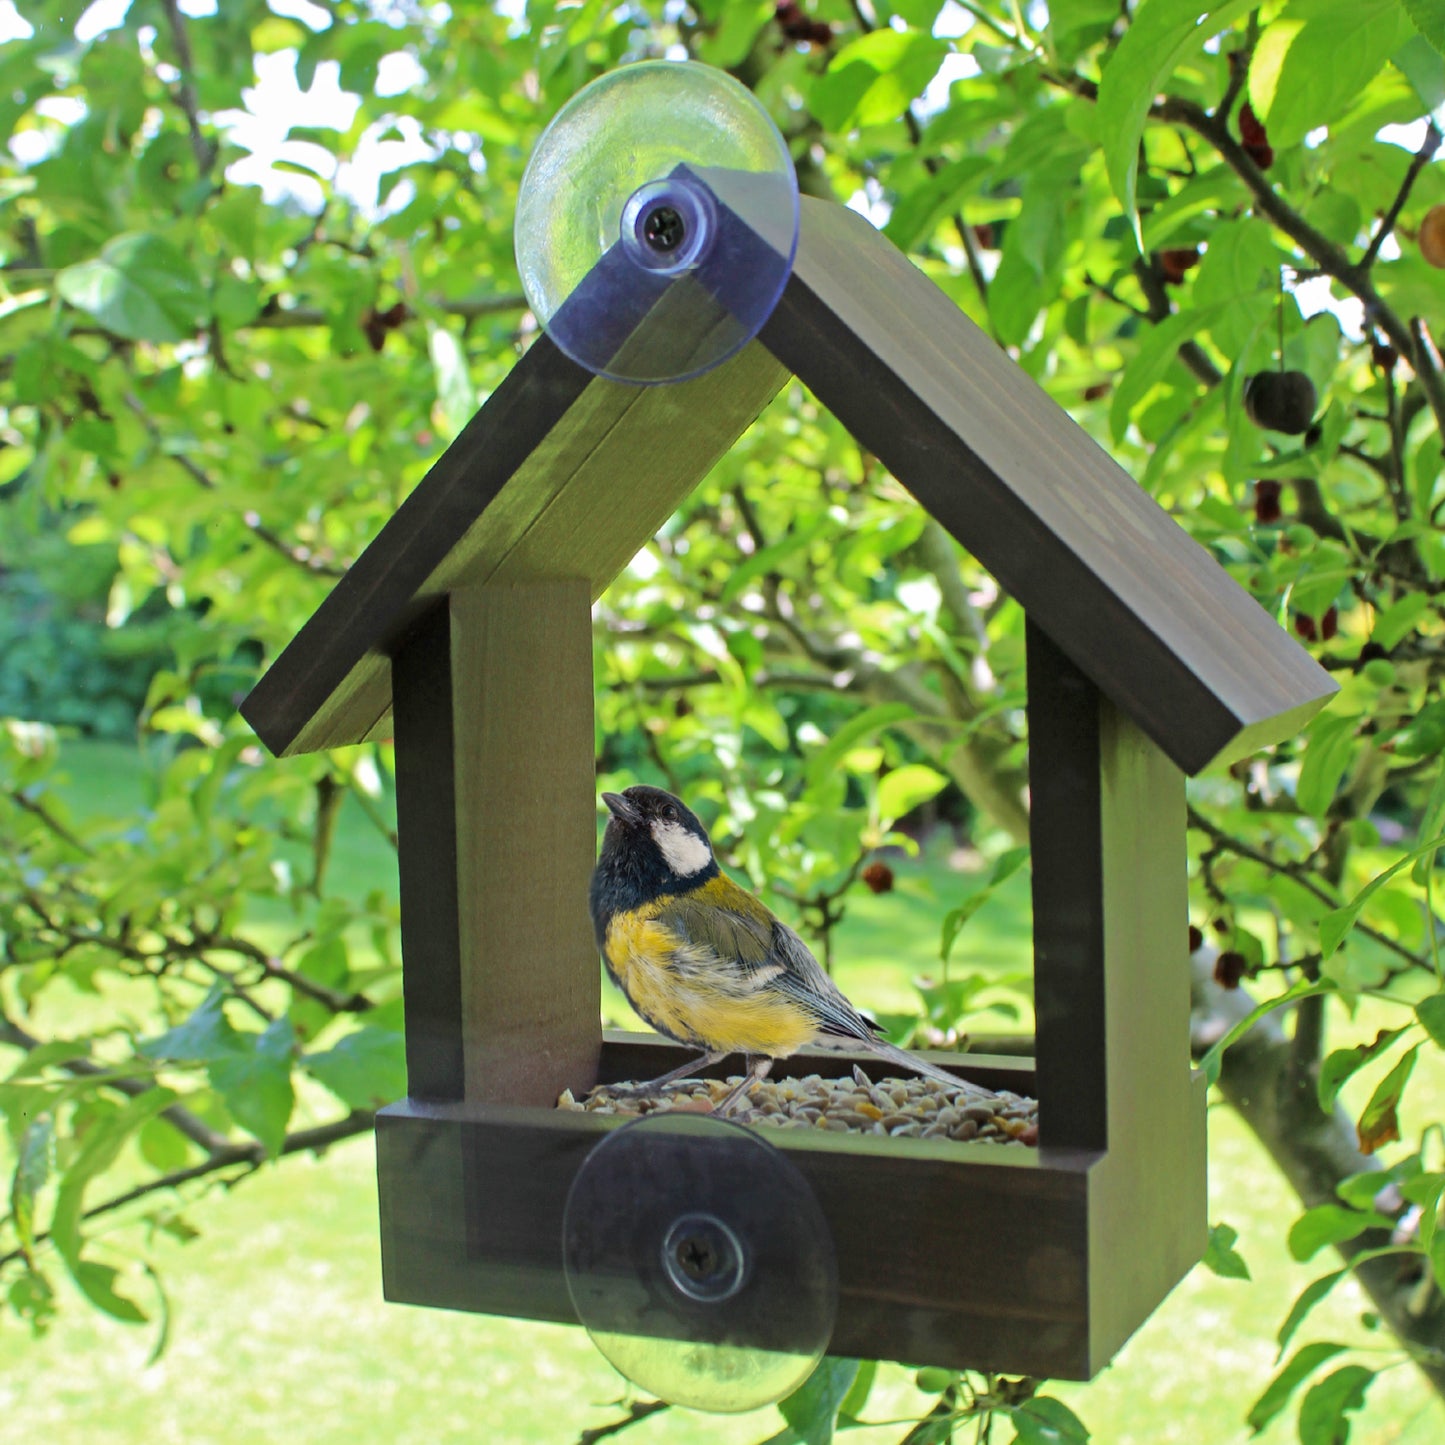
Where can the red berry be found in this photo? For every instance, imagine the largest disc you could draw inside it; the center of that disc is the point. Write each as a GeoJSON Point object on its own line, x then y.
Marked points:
{"type": "Point", "coordinates": [1432, 236]}
{"type": "Point", "coordinates": [878, 877]}
{"type": "Point", "coordinates": [1251, 128]}
{"type": "Point", "coordinates": [1097, 389]}
{"type": "Point", "coordinates": [1266, 501]}
{"type": "Point", "coordinates": [1329, 624]}
{"type": "Point", "coordinates": [1176, 261]}
{"type": "Point", "coordinates": [1229, 968]}
{"type": "Point", "coordinates": [1305, 626]}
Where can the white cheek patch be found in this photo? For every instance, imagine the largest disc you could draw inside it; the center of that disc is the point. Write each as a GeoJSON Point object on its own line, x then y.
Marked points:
{"type": "Point", "coordinates": [684, 851]}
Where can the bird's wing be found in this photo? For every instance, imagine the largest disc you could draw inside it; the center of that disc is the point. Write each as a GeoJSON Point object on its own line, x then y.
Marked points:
{"type": "Point", "coordinates": [803, 979]}
{"type": "Point", "coordinates": [727, 925]}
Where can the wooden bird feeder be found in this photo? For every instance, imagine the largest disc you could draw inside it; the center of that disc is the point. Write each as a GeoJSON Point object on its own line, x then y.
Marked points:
{"type": "Point", "coordinates": [464, 632]}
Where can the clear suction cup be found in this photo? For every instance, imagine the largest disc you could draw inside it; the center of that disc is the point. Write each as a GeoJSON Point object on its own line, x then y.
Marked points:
{"type": "Point", "coordinates": [700, 1263]}
{"type": "Point", "coordinates": [661, 192]}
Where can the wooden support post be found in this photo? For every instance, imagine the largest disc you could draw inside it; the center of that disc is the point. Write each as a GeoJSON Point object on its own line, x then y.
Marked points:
{"type": "Point", "coordinates": [526, 831]}
{"type": "Point", "coordinates": [1111, 984]}
{"type": "Point", "coordinates": [427, 860]}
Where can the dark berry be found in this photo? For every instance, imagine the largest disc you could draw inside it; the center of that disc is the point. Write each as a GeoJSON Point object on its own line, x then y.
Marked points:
{"type": "Point", "coordinates": [1267, 508]}
{"type": "Point", "coordinates": [1196, 939]}
{"type": "Point", "coordinates": [878, 877]}
{"type": "Point", "coordinates": [1229, 968]}
{"type": "Point", "coordinates": [1305, 626]}
{"type": "Point", "coordinates": [1174, 263]}
{"type": "Point", "coordinates": [1282, 401]}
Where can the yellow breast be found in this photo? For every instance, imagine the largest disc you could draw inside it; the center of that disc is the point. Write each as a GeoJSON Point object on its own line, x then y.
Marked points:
{"type": "Point", "coordinates": [687, 991]}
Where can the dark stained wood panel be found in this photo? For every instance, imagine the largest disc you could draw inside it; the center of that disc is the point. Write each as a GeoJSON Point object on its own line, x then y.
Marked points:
{"type": "Point", "coordinates": [1142, 610]}
{"type": "Point", "coordinates": [592, 466]}
{"type": "Point", "coordinates": [426, 826]}
{"type": "Point", "coordinates": [472, 1203]}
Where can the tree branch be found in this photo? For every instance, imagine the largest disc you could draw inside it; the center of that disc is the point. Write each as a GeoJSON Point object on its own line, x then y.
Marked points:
{"type": "Point", "coordinates": [1419, 161]}
{"type": "Point", "coordinates": [638, 1410]}
{"type": "Point", "coordinates": [185, 95]}
{"type": "Point", "coordinates": [250, 1154]}
{"type": "Point", "coordinates": [301, 556]}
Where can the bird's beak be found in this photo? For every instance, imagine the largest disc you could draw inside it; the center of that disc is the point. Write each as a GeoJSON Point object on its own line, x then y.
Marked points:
{"type": "Point", "coordinates": [620, 808]}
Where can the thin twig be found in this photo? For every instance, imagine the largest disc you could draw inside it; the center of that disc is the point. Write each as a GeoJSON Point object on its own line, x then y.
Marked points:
{"type": "Point", "coordinates": [186, 98]}
{"type": "Point", "coordinates": [638, 1410]}
{"type": "Point", "coordinates": [1418, 162]}
{"type": "Point", "coordinates": [1292, 871]}
{"type": "Point", "coordinates": [45, 816]}
{"type": "Point", "coordinates": [299, 555]}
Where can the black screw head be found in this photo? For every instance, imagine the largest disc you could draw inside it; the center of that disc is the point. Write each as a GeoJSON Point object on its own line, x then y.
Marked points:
{"type": "Point", "coordinates": [663, 228]}
{"type": "Point", "coordinates": [697, 1258]}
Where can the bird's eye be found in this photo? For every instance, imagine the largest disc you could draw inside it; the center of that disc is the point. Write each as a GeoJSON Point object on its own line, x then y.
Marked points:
{"type": "Point", "coordinates": [669, 812]}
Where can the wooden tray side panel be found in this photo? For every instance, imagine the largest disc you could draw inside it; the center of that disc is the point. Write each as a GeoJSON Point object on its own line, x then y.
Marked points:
{"type": "Point", "coordinates": [472, 1210]}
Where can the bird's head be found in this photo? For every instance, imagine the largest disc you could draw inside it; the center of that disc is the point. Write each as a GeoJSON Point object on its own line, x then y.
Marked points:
{"type": "Point", "coordinates": [660, 828]}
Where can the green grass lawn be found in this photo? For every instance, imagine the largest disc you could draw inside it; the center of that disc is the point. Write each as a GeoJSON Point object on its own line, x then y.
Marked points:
{"type": "Point", "coordinates": [279, 1332]}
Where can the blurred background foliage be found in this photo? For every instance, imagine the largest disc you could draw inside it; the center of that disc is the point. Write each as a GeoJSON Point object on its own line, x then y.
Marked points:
{"type": "Point", "coordinates": [256, 270]}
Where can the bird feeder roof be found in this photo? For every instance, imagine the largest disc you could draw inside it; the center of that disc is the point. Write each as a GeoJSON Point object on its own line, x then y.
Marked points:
{"type": "Point", "coordinates": [563, 473]}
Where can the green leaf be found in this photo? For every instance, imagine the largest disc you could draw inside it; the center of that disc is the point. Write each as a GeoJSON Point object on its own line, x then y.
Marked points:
{"type": "Point", "coordinates": [1047, 1421]}
{"type": "Point", "coordinates": [32, 1170]}
{"type": "Point", "coordinates": [1210, 1064]}
{"type": "Point", "coordinates": [1341, 1064]}
{"type": "Point", "coordinates": [1308, 1298]}
{"type": "Point", "coordinates": [364, 1070]}
{"type": "Point", "coordinates": [1312, 62]}
{"type": "Point", "coordinates": [1162, 34]}
{"type": "Point", "coordinates": [1378, 1124]}
{"type": "Point", "coordinates": [1005, 866]}
{"type": "Point", "coordinates": [97, 1282]}
{"type": "Point", "coordinates": [206, 1035]}
{"type": "Point", "coordinates": [139, 287]}
{"type": "Point", "coordinates": [1303, 1363]}
{"type": "Point", "coordinates": [812, 1409]}
{"type": "Point", "coordinates": [1151, 361]}
{"type": "Point", "coordinates": [1221, 1256]}
{"type": "Point", "coordinates": [1322, 1413]}
{"type": "Point", "coordinates": [1429, 20]}
{"type": "Point", "coordinates": [1330, 1224]}
{"type": "Point", "coordinates": [905, 788]}
{"type": "Point", "coordinates": [101, 1149]}
{"type": "Point", "coordinates": [255, 1084]}
{"type": "Point", "coordinates": [1327, 756]}
{"type": "Point", "coordinates": [876, 78]}
{"type": "Point", "coordinates": [1432, 823]}
{"type": "Point", "coordinates": [1431, 1013]}
{"type": "Point", "coordinates": [729, 42]}
{"type": "Point", "coordinates": [1336, 924]}
{"type": "Point", "coordinates": [1423, 65]}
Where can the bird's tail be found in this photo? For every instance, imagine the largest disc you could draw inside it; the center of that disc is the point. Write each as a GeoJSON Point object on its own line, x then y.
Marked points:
{"type": "Point", "coordinates": [905, 1060]}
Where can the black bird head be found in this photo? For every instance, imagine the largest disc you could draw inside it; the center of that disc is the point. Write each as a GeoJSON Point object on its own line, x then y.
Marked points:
{"type": "Point", "coordinates": [653, 845]}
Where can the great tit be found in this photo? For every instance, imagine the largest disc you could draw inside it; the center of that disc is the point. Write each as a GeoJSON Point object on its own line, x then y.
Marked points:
{"type": "Point", "coordinates": [704, 961]}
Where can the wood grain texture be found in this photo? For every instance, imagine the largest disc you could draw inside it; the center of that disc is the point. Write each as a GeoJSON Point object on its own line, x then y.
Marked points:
{"type": "Point", "coordinates": [526, 820]}
{"type": "Point", "coordinates": [560, 474]}
{"type": "Point", "coordinates": [1142, 610]}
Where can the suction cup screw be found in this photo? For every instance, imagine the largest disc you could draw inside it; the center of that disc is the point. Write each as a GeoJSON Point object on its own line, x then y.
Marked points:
{"type": "Point", "coordinates": [664, 229]}
{"type": "Point", "coordinates": [703, 1258]}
